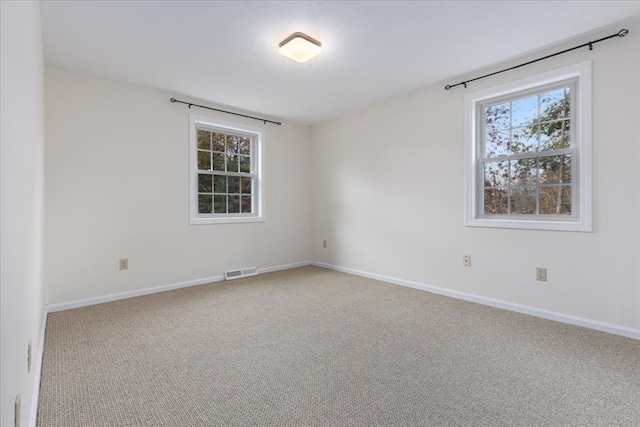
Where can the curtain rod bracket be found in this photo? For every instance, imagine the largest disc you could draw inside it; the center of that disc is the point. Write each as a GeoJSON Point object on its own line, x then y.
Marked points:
{"type": "Point", "coordinates": [623, 32]}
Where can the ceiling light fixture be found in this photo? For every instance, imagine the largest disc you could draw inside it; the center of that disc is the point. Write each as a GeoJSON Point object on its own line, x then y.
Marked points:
{"type": "Point", "coordinates": [300, 47]}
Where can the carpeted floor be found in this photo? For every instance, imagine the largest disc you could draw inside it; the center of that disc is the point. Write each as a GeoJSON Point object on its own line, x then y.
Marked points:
{"type": "Point", "coordinates": [314, 347]}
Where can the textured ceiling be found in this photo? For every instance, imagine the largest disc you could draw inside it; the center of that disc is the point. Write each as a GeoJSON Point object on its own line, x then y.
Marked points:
{"type": "Point", "coordinates": [227, 52]}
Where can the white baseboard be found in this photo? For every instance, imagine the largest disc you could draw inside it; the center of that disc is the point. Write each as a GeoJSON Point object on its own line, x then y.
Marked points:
{"type": "Point", "coordinates": [51, 308]}
{"type": "Point", "coordinates": [35, 399]}
{"type": "Point", "coordinates": [532, 311]}
{"type": "Point", "coordinates": [284, 267]}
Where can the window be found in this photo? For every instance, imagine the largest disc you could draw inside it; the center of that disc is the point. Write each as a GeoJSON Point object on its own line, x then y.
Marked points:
{"type": "Point", "coordinates": [226, 172]}
{"type": "Point", "coordinates": [528, 153]}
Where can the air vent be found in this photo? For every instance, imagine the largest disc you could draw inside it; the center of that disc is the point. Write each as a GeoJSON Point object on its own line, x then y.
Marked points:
{"type": "Point", "coordinates": [243, 272]}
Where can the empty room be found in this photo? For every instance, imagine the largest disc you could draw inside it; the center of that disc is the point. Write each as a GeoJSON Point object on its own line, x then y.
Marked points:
{"type": "Point", "coordinates": [320, 213]}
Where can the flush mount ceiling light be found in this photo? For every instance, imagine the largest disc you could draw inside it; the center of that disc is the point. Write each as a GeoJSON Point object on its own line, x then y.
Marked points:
{"type": "Point", "coordinates": [300, 47]}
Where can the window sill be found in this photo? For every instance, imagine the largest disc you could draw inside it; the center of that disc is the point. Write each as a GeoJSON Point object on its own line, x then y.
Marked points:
{"type": "Point", "coordinates": [226, 220]}
{"type": "Point", "coordinates": [531, 224]}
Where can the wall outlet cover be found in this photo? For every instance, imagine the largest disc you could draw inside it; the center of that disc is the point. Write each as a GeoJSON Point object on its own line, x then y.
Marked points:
{"type": "Point", "coordinates": [541, 274]}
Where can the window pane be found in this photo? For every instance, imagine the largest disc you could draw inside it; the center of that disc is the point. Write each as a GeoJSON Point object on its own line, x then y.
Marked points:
{"type": "Point", "coordinates": [232, 144]}
{"type": "Point", "coordinates": [245, 164]}
{"type": "Point", "coordinates": [498, 117]}
{"type": "Point", "coordinates": [204, 160]}
{"type": "Point", "coordinates": [524, 111]}
{"type": "Point", "coordinates": [566, 200]}
{"type": "Point", "coordinates": [234, 184]}
{"type": "Point", "coordinates": [219, 184]}
{"type": "Point", "coordinates": [555, 135]}
{"type": "Point", "coordinates": [523, 172]}
{"type": "Point", "coordinates": [524, 140]}
{"type": "Point", "coordinates": [245, 146]}
{"type": "Point", "coordinates": [232, 162]}
{"type": "Point", "coordinates": [218, 162]}
{"type": "Point", "coordinates": [245, 204]}
{"type": "Point", "coordinates": [496, 201]}
{"type": "Point", "coordinates": [555, 105]}
{"type": "Point", "coordinates": [218, 142]}
{"type": "Point", "coordinates": [220, 204]}
{"type": "Point", "coordinates": [496, 174]}
{"type": "Point", "coordinates": [204, 204]}
{"type": "Point", "coordinates": [204, 139]}
{"type": "Point", "coordinates": [555, 169]}
{"type": "Point", "coordinates": [555, 200]}
{"type": "Point", "coordinates": [205, 183]}
{"type": "Point", "coordinates": [496, 143]}
{"type": "Point", "coordinates": [234, 204]}
{"type": "Point", "coordinates": [523, 201]}
{"type": "Point", "coordinates": [246, 185]}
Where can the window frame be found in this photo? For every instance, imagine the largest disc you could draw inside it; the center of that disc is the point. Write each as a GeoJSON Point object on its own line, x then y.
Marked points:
{"type": "Point", "coordinates": [581, 149]}
{"type": "Point", "coordinates": [257, 135]}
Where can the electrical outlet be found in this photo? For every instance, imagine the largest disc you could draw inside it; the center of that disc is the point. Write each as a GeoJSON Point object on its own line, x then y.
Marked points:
{"type": "Point", "coordinates": [466, 261]}
{"type": "Point", "coordinates": [324, 243]}
{"type": "Point", "coordinates": [541, 274]}
{"type": "Point", "coordinates": [124, 263]}
{"type": "Point", "coordinates": [29, 357]}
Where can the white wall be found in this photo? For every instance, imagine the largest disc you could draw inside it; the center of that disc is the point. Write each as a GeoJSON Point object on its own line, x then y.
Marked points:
{"type": "Point", "coordinates": [388, 196]}
{"type": "Point", "coordinates": [21, 292]}
{"type": "Point", "coordinates": [116, 173]}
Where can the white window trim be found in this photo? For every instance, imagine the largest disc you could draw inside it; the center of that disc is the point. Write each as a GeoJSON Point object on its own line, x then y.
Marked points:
{"type": "Point", "coordinates": [259, 201]}
{"type": "Point", "coordinates": [583, 221]}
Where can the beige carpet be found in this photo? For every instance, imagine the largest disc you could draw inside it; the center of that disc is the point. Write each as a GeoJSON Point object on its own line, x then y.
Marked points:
{"type": "Point", "coordinates": [314, 347]}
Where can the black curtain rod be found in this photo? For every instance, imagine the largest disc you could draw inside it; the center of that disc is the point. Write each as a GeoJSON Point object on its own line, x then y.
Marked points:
{"type": "Point", "coordinates": [190, 104]}
{"type": "Point", "coordinates": [620, 33]}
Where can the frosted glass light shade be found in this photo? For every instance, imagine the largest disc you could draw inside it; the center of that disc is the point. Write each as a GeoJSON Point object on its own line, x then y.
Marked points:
{"type": "Point", "coordinates": [300, 47]}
